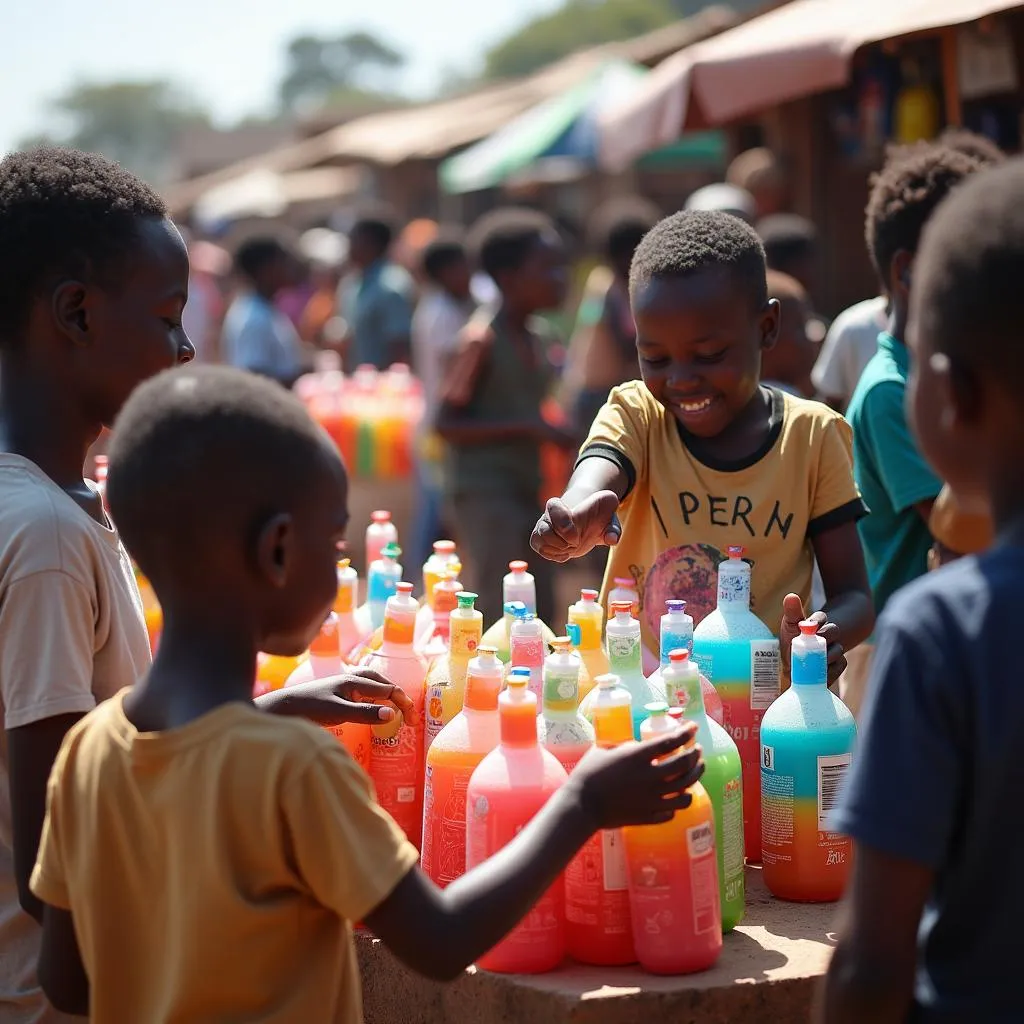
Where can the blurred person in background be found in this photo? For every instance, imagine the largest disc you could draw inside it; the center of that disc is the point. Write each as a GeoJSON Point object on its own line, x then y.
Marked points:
{"type": "Point", "coordinates": [257, 336]}
{"type": "Point", "coordinates": [377, 299]}
{"type": "Point", "coordinates": [602, 351]}
{"type": "Point", "coordinates": [723, 198]}
{"type": "Point", "coordinates": [761, 173]}
{"type": "Point", "coordinates": [442, 312]}
{"type": "Point", "coordinates": [787, 364]}
{"type": "Point", "coordinates": [327, 252]}
{"type": "Point", "coordinates": [791, 247]}
{"type": "Point", "coordinates": [209, 266]}
{"type": "Point", "coordinates": [849, 345]}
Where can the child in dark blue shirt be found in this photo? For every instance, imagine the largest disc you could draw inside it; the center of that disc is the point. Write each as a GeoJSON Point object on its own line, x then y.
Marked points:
{"type": "Point", "coordinates": [930, 930]}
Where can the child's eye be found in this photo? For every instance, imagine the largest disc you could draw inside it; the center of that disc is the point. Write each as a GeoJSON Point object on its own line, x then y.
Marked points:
{"type": "Point", "coordinates": [655, 362]}
{"type": "Point", "coordinates": [709, 358]}
{"type": "Point", "coordinates": [174, 325]}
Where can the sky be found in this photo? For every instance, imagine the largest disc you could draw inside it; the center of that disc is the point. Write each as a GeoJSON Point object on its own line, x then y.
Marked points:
{"type": "Point", "coordinates": [226, 53]}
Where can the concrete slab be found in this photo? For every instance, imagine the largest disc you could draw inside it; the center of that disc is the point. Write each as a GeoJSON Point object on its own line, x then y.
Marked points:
{"type": "Point", "coordinates": [767, 973]}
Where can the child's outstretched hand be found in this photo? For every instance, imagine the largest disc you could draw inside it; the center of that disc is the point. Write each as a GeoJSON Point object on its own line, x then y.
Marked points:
{"type": "Point", "coordinates": [360, 695]}
{"type": "Point", "coordinates": [792, 616]}
{"type": "Point", "coordinates": [563, 533]}
{"type": "Point", "coordinates": [630, 786]}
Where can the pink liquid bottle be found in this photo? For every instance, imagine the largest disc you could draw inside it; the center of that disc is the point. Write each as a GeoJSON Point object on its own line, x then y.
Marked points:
{"type": "Point", "coordinates": [507, 789]}
{"type": "Point", "coordinates": [673, 880]}
{"type": "Point", "coordinates": [381, 532]}
{"type": "Point", "coordinates": [599, 928]}
{"type": "Point", "coordinates": [526, 644]}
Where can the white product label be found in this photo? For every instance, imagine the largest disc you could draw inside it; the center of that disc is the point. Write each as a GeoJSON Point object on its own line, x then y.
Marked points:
{"type": "Point", "coordinates": [613, 851]}
{"type": "Point", "coordinates": [764, 674]}
{"type": "Point", "coordinates": [406, 794]}
{"type": "Point", "coordinates": [767, 757]}
{"type": "Point", "coordinates": [831, 772]}
{"type": "Point", "coordinates": [700, 839]}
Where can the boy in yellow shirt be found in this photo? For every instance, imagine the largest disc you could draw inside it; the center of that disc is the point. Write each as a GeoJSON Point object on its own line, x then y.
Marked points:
{"type": "Point", "coordinates": [699, 455]}
{"type": "Point", "coordinates": [202, 861]}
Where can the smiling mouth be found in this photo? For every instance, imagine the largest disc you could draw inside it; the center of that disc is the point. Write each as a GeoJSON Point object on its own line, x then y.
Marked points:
{"type": "Point", "coordinates": [695, 406]}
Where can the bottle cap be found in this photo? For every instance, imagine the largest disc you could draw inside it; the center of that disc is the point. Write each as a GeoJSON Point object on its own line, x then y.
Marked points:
{"type": "Point", "coordinates": [560, 644]}
{"type": "Point", "coordinates": [621, 606]}
{"type": "Point", "coordinates": [736, 551]}
{"type": "Point", "coordinates": [679, 656]}
{"type": "Point", "coordinates": [405, 589]}
{"type": "Point", "coordinates": [380, 516]}
{"type": "Point", "coordinates": [344, 563]}
{"type": "Point", "coordinates": [444, 547]}
{"type": "Point", "coordinates": [487, 650]}
{"type": "Point", "coordinates": [676, 714]}
{"type": "Point", "coordinates": [588, 595]}
{"type": "Point", "coordinates": [575, 633]}
{"type": "Point", "coordinates": [518, 566]}
{"type": "Point", "coordinates": [391, 550]}
{"type": "Point", "coordinates": [656, 708]}
{"type": "Point", "coordinates": [518, 677]}
{"type": "Point", "coordinates": [467, 600]}
{"type": "Point", "coordinates": [517, 609]}
{"type": "Point", "coordinates": [674, 605]}
{"type": "Point", "coordinates": [608, 681]}
{"type": "Point", "coordinates": [625, 582]}
{"type": "Point", "coordinates": [809, 628]}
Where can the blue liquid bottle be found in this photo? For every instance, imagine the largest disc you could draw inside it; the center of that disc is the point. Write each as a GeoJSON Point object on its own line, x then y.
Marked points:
{"type": "Point", "coordinates": [382, 582]}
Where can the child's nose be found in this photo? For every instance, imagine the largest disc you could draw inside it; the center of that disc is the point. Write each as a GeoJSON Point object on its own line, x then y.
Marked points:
{"type": "Point", "coordinates": [186, 350]}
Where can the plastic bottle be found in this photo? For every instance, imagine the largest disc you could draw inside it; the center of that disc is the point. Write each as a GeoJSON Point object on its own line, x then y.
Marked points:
{"type": "Point", "coordinates": [562, 729]}
{"type": "Point", "coordinates": [625, 660]}
{"type": "Point", "coordinates": [526, 645]}
{"type": "Point", "coordinates": [518, 585]}
{"type": "Point", "coordinates": [379, 534]}
{"type": "Point", "coordinates": [624, 589]}
{"type": "Point", "coordinates": [100, 465]}
{"type": "Point", "coordinates": [588, 614]}
{"type": "Point", "coordinates": [446, 678]}
{"type": "Point", "coordinates": [722, 780]}
{"type": "Point", "coordinates": [673, 880]}
{"type": "Point", "coordinates": [381, 582]}
{"type": "Point", "coordinates": [456, 751]}
{"type": "Point", "coordinates": [151, 610]}
{"type": "Point", "coordinates": [508, 787]}
{"type": "Point", "coordinates": [807, 738]}
{"type": "Point", "coordinates": [396, 751]}
{"type": "Point", "coordinates": [442, 561]}
{"type": "Point", "coordinates": [353, 628]}
{"type": "Point", "coordinates": [434, 644]}
{"type": "Point", "coordinates": [740, 655]}
{"type": "Point", "coordinates": [598, 924]}
{"type": "Point", "coordinates": [676, 633]}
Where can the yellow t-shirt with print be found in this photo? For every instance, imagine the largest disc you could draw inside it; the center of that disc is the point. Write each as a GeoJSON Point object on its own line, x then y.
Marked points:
{"type": "Point", "coordinates": [680, 515]}
{"type": "Point", "coordinates": [214, 871]}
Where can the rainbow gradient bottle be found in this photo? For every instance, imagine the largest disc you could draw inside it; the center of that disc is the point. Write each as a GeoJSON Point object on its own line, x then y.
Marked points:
{"type": "Point", "coordinates": [722, 780]}
{"type": "Point", "coordinates": [509, 786]}
{"type": "Point", "coordinates": [673, 880]}
{"type": "Point", "coordinates": [561, 727]}
{"type": "Point", "coordinates": [807, 739]}
{"type": "Point", "coordinates": [598, 923]}
{"type": "Point", "coordinates": [588, 615]}
{"type": "Point", "coordinates": [625, 660]}
{"type": "Point", "coordinates": [453, 756]}
{"type": "Point", "coordinates": [739, 654]}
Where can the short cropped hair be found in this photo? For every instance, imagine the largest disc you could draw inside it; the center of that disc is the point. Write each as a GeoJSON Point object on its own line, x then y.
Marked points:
{"type": "Point", "coordinates": [201, 452]}
{"type": "Point", "coordinates": [502, 239]}
{"type": "Point", "coordinates": [788, 238]}
{"type": "Point", "coordinates": [64, 214]}
{"type": "Point", "coordinates": [619, 225]}
{"type": "Point", "coordinates": [967, 299]}
{"type": "Point", "coordinates": [905, 194]}
{"type": "Point", "coordinates": [694, 241]}
{"type": "Point", "coordinates": [445, 250]}
{"type": "Point", "coordinates": [256, 254]}
{"type": "Point", "coordinates": [971, 144]}
{"type": "Point", "coordinates": [378, 223]}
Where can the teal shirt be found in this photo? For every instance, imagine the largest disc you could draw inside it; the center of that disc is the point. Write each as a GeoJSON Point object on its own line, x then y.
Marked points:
{"type": "Point", "coordinates": [890, 472]}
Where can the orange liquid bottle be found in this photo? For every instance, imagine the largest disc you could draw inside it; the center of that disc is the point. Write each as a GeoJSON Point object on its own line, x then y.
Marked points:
{"type": "Point", "coordinates": [509, 786]}
{"type": "Point", "coordinates": [396, 749]}
{"type": "Point", "coordinates": [599, 928]}
{"type": "Point", "coordinates": [673, 880]}
{"type": "Point", "coordinates": [456, 751]}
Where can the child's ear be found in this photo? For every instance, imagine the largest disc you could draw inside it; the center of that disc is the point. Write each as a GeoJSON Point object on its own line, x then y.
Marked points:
{"type": "Point", "coordinates": [770, 324]}
{"type": "Point", "coordinates": [275, 545]}
{"type": "Point", "coordinates": [69, 307]}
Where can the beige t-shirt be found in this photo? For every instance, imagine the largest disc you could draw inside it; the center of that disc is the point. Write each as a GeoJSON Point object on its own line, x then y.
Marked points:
{"type": "Point", "coordinates": [232, 854]}
{"type": "Point", "coordinates": [72, 633]}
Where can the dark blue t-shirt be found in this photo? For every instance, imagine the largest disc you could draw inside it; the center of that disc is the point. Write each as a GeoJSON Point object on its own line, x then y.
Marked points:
{"type": "Point", "coordinates": [939, 775]}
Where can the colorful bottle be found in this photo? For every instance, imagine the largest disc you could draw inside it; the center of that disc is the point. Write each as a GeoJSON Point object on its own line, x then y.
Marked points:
{"type": "Point", "coordinates": [526, 645]}
{"type": "Point", "coordinates": [673, 880]}
{"type": "Point", "coordinates": [353, 622]}
{"type": "Point", "coordinates": [677, 633]}
{"type": "Point", "coordinates": [807, 738]}
{"type": "Point", "coordinates": [100, 466]}
{"type": "Point", "coordinates": [434, 643]}
{"type": "Point", "coordinates": [508, 787]}
{"type": "Point", "coordinates": [396, 750]}
{"type": "Point", "coordinates": [598, 924]}
{"type": "Point", "coordinates": [382, 581]}
{"type": "Point", "coordinates": [588, 614]}
{"type": "Point", "coordinates": [442, 561]}
{"type": "Point", "coordinates": [722, 780]}
{"type": "Point", "coordinates": [456, 751]}
{"type": "Point", "coordinates": [446, 680]}
{"type": "Point", "coordinates": [562, 729]}
{"type": "Point", "coordinates": [740, 655]}
{"type": "Point", "coordinates": [151, 609]}
{"type": "Point", "coordinates": [625, 660]}
{"type": "Point", "coordinates": [624, 589]}
{"type": "Point", "coordinates": [518, 585]}
{"type": "Point", "coordinates": [379, 534]}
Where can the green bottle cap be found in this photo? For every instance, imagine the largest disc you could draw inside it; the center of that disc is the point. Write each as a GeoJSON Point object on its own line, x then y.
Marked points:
{"type": "Point", "coordinates": [466, 599]}
{"type": "Point", "coordinates": [391, 550]}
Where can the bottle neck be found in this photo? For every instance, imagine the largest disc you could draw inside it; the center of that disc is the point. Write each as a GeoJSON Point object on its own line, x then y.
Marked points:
{"type": "Point", "coordinates": [624, 654]}
{"type": "Point", "coordinates": [810, 666]}
{"type": "Point", "coordinates": [734, 591]}
{"type": "Point", "coordinates": [519, 725]}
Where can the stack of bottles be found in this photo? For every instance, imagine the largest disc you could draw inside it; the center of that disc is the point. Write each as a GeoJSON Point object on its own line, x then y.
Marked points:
{"type": "Point", "coordinates": [371, 416]}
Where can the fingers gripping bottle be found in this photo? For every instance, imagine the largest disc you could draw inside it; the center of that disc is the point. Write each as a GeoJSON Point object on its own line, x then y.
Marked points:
{"type": "Point", "coordinates": [673, 880]}
{"type": "Point", "coordinates": [379, 534]}
{"type": "Point", "coordinates": [807, 739]}
{"type": "Point", "coordinates": [382, 582]}
{"type": "Point", "coordinates": [396, 750]}
{"type": "Point", "coordinates": [508, 787]}
{"type": "Point", "coordinates": [625, 659]}
{"type": "Point", "coordinates": [459, 747]}
{"type": "Point", "coordinates": [588, 615]}
{"type": "Point", "coordinates": [722, 780]}
{"type": "Point", "coordinates": [598, 925]}
{"type": "Point", "coordinates": [561, 727]}
{"type": "Point", "coordinates": [740, 655]}
{"type": "Point", "coordinates": [677, 633]}
{"type": "Point", "coordinates": [526, 644]}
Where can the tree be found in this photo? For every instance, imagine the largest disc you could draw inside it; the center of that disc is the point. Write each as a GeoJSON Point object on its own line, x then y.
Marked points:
{"type": "Point", "coordinates": [319, 68]}
{"type": "Point", "coordinates": [135, 123]}
{"type": "Point", "coordinates": [576, 25]}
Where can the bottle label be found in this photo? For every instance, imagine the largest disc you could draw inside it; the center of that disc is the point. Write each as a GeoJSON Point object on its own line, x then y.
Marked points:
{"type": "Point", "coordinates": [561, 688]}
{"type": "Point", "coordinates": [777, 793]}
{"type": "Point", "coordinates": [396, 768]}
{"type": "Point", "coordinates": [399, 631]}
{"type": "Point", "coordinates": [700, 841]}
{"type": "Point", "coordinates": [623, 651]}
{"type": "Point", "coordinates": [732, 839]}
{"type": "Point", "coordinates": [734, 588]}
{"type": "Point", "coordinates": [465, 638]}
{"type": "Point", "coordinates": [434, 713]}
{"type": "Point", "coordinates": [831, 772]}
{"type": "Point", "coordinates": [764, 674]}
{"type": "Point", "coordinates": [616, 871]}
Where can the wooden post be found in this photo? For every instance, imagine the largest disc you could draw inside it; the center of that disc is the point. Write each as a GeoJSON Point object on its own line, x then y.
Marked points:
{"type": "Point", "coordinates": [951, 78]}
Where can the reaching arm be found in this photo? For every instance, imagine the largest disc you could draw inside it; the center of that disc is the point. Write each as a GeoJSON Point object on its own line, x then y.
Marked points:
{"type": "Point", "coordinates": [61, 972]}
{"type": "Point", "coordinates": [848, 594]}
{"type": "Point", "coordinates": [871, 976]}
